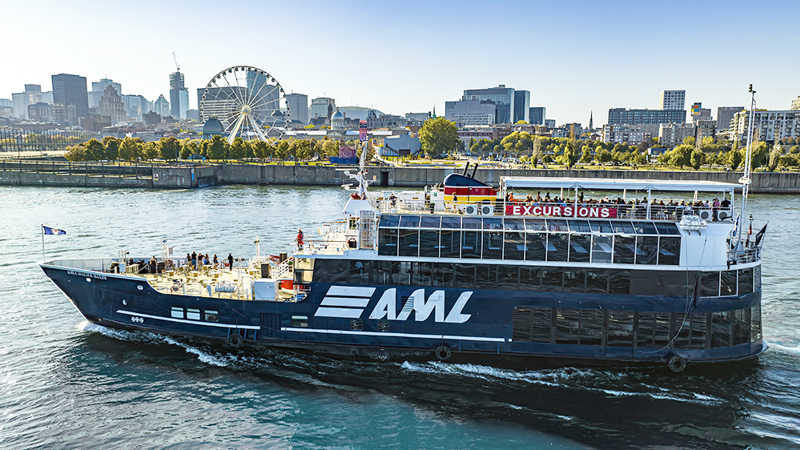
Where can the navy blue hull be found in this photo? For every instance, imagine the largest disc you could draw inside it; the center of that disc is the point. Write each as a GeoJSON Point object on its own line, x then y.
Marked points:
{"type": "Point", "coordinates": [521, 328]}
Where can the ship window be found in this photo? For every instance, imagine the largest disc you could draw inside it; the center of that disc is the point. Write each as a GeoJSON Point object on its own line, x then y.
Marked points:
{"type": "Point", "coordinates": [451, 222]}
{"type": "Point", "coordinates": [360, 271]}
{"type": "Point", "coordinates": [492, 223]}
{"type": "Point", "coordinates": [471, 223]}
{"type": "Point", "coordinates": [721, 323]}
{"type": "Point", "coordinates": [755, 323]}
{"type": "Point", "coordinates": [574, 280]}
{"type": "Point", "coordinates": [303, 270]}
{"type": "Point", "coordinates": [557, 225]}
{"type": "Point", "coordinates": [536, 246]}
{"type": "Point", "coordinates": [597, 281]}
{"type": "Point", "coordinates": [331, 270]}
{"type": "Point", "coordinates": [383, 272]}
{"type": "Point", "coordinates": [551, 279]}
{"type": "Point", "coordinates": [401, 273]}
{"type": "Point", "coordinates": [757, 278]}
{"type": "Point", "coordinates": [465, 275]}
{"type": "Point", "coordinates": [690, 330]}
{"type": "Point", "coordinates": [193, 314]}
{"type": "Point", "coordinates": [667, 229]}
{"type": "Point", "coordinates": [177, 312]}
{"type": "Point", "coordinates": [492, 245]}
{"type": "Point", "coordinates": [645, 228]}
{"type": "Point", "coordinates": [443, 275]}
{"type": "Point", "coordinates": [521, 325]}
{"type": "Point", "coordinates": [300, 321]}
{"type": "Point", "coordinates": [624, 228]}
{"type": "Point", "coordinates": [601, 248]}
{"type": "Point", "coordinates": [542, 319]}
{"type": "Point", "coordinates": [430, 222]}
{"type": "Point", "coordinates": [530, 278]}
{"type": "Point", "coordinates": [409, 222]}
{"type": "Point", "coordinates": [568, 325]}
{"type": "Point", "coordinates": [429, 243]}
{"type": "Point", "coordinates": [451, 244]}
{"type": "Point", "coordinates": [486, 277]}
{"type": "Point", "coordinates": [624, 249]}
{"type": "Point", "coordinates": [211, 316]}
{"type": "Point", "coordinates": [653, 330]}
{"type": "Point", "coordinates": [557, 246]}
{"type": "Point", "coordinates": [508, 277]}
{"type": "Point", "coordinates": [709, 284]}
{"type": "Point", "coordinates": [470, 244]}
{"type": "Point", "coordinates": [535, 225]}
{"type": "Point", "coordinates": [619, 282]}
{"type": "Point", "coordinates": [422, 274]}
{"type": "Point", "coordinates": [356, 325]}
{"type": "Point", "coordinates": [620, 329]}
{"type": "Point", "coordinates": [646, 249]}
{"type": "Point", "coordinates": [741, 326]}
{"type": "Point", "coordinates": [390, 221]}
{"type": "Point", "coordinates": [580, 226]}
{"type": "Point", "coordinates": [601, 226]}
{"type": "Point", "coordinates": [728, 283]}
{"type": "Point", "coordinates": [514, 224]}
{"type": "Point", "coordinates": [387, 242]}
{"type": "Point", "coordinates": [745, 281]}
{"type": "Point", "coordinates": [383, 325]}
{"type": "Point", "coordinates": [669, 251]}
{"type": "Point", "coordinates": [591, 327]}
{"type": "Point", "coordinates": [514, 246]}
{"type": "Point", "coordinates": [409, 242]}
{"type": "Point", "coordinates": [579, 247]}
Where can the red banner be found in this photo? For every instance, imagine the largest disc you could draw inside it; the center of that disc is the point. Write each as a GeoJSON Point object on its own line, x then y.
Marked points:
{"type": "Point", "coordinates": [362, 130]}
{"type": "Point", "coordinates": [346, 152]}
{"type": "Point", "coordinates": [598, 212]}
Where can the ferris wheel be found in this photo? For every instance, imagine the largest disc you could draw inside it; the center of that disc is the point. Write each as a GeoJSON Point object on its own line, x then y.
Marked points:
{"type": "Point", "coordinates": [249, 102]}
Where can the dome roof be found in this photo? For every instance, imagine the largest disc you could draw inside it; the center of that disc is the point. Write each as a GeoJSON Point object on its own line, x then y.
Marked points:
{"type": "Point", "coordinates": [213, 125]}
{"type": "Point", "coordinates": [337, 115]}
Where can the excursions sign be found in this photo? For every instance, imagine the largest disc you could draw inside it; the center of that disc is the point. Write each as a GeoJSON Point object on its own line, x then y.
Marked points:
{"type": "Point", "coordinates": [561, 211]}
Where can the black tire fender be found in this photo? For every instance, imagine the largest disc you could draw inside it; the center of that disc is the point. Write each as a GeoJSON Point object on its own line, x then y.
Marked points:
{"type": "Point", "coordinates": [235, 340]}
{"type": "Point", "coordinates": [443, 353]}
{"type": "Point", "coordinates": [676, 363]}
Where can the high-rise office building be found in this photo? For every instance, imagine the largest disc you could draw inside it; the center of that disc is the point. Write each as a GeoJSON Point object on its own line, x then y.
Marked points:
{"type": "Point", "coordinates": [21, 100]}
{"type": "Point", "coordinates": [298, 107]}
{"type": "Point", "coordinates": [99, 88]}
{"type": "Point", "coordinates": [620, 116]}
{"type": "Point", "coordinates": [470, 112]}
{"type": "Point", "coordinates": [522, 104]}
{"type": "Point", "coordinates": [178, 95]}
{"type": "Point", "coordinates": [111, 106]}
{"type": "Point", "coordinates": [537, 115]}
{"type": "Point", "coordinates": [725, 115]}
{"type": "Point", "coordinates": [672, 100]}
{"type": "Point", "coordinates": [70, 91]}
{"type": "Point", "coordinates": [322, 107]}
{"type": "Point", "coordinates": [162, 106]}
{"type": "Point", "coordinates": [502, 97]}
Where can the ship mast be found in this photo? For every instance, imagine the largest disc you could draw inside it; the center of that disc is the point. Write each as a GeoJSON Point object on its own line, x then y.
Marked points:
{"type": "Point", "coordinates": [746, 180]}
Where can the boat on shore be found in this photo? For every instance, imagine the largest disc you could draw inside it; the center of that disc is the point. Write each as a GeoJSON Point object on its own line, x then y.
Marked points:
{"type": "Point", "coordinates": [605, 272]}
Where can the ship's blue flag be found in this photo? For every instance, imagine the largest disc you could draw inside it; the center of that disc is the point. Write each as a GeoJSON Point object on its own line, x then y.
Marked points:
{"type": "Point", "coordinates": [48, 230]}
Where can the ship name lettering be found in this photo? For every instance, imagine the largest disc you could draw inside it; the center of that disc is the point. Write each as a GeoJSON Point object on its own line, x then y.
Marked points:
{"type": "Point", "coordinates": [96, 276]}
{"type": "Point", "coordinates": [387, 307]}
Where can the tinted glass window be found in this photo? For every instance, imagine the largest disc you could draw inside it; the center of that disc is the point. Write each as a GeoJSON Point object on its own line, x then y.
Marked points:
{"type": "Point", "coordinates": [507, 277]}
{"type": "Point", "coordinates": [666, 228]}
{"type": "Point", "coordinates": [567, 326]}
{"type": "Point", "coordinates": [601, 248]}
{"type": "Point", "coordinates": [709, 284]}
{"type": "Point", "coordinates": [422, 274]}
{"type": "Point", "coordinates": [601, 226]}
{"type": "Point", "coordinates": [645, 228]}
{"type": "Point", "coordinates": [530, 278]}
{"type": "Point", "coordinates": [401, 273]}
{"type": "Point", "coordinates": [514, 224]}
{"type": "Point", "coordinates": [465, 275]}
{"type": "Point", "coordinates": [597, 281]}
{"type": "Point", "coordinates": [623, 227]}
{"type": "Point", "coordinates": [580, 226]}
{"type": "Point", "coordinates": [669, 251]}
{"type": "Point", "coordinates": [536, 246]}
{"type": "Point", "coordinates": [574, 280]}
{"type": "Point", "coordinates": [653, 330]}
{"type": "Point", "coordinates": [514, 246]}
{"type": "Point", "coordinates": [390, 220]}
{"type": "Point", "coordinates": [471, 223]}
{"type": "Point", "coordinates": [331, 270]}
{"type": "Point", "coordinates": [360, 271]}
{"type": "Point", "coordinates": [451, 222]}
{"type": "Point", "coordinates": [757, 277]}
{"type": "Point", "coordinates": [450, 244]}
{"type": "Point", "coordinates": [619, 282]}
{"type": "Point", "coordinates": [430, 221]}
{"type": "Point", "coordinates": [492, 245]}
{"type": "Point", "coordinates": [557, 225]}
{"type": "Point", "coordinates": [383, 273]}
{"type": "Point", "coordinates": [746, 281]}
{"type": "Point", "coordinates": [443, 275]}
{"type": "Point", "coordinates": [429, 243]}
{"type": "Point", "coordinates": [728, 283]}
{"type": "Point", "coordinates": [387, 242]}
{"type": "Point", "coordinates": [557, 247]}
{"type": "Point", "coordinates": [624, 248]}
{"type": "Point", "coordinates": [579, 247]}
{"type": "Point", "coordinates": [591, 327]}
{"type": "Point", "coordinates": [409, 242]}
{"type": "Point", "coordinates": [409, 222]}
{"type": "Point", "coordinates": [646, 249]}
{"type": "Point", "coordinates": [471, 244]}
{"type": "Point", "coordinates": [721, 324]}
{"type": "Point", "coordinates": [535, 225]}
{"type": "Point", "coordinates": [552, 279]}
{"type": "Point", "coordinates": [620, 329]}
{"type": "Point", "coordinates": [492, 223]}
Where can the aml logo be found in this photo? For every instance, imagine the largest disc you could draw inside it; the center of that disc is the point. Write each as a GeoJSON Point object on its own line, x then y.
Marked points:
{"type": "Point", "coordinates": [345, 302]}
{"type": "Point", "coordinates": [387, 307]}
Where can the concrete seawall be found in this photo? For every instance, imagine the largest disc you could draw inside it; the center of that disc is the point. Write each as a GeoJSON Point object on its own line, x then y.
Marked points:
{"type": "Point", "coordinates": [188, 177]}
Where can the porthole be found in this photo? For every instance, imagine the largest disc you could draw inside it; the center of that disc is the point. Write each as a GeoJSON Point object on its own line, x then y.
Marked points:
{"type": "Point", "coordinates": [140, 287]}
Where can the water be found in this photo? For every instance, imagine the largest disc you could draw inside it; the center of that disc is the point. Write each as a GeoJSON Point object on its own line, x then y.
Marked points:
{"type": "Point", "coordinates": [65, 383]}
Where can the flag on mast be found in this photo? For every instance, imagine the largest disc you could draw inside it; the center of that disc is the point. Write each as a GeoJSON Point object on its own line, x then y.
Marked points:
{"type": "Point", "coordinates": [49, 230]}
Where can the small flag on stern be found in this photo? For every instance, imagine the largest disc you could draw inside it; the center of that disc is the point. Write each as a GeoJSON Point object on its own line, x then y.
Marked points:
{"type": "Point", "coordinates": [48, 230]}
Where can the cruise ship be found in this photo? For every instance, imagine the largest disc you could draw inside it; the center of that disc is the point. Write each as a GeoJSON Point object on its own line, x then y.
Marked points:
{"type": "Point", "coordinates": [534, 272]}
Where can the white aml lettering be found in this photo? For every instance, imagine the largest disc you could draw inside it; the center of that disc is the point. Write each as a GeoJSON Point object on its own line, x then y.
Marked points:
{"type": "Point", "coordinates": [386, 308]}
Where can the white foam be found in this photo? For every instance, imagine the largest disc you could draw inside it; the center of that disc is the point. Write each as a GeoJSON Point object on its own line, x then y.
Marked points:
{"type": "Point", "coordinates": [790, 349]}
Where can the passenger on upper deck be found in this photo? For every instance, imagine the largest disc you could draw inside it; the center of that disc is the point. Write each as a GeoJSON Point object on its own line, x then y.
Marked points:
{"type": "Point", "coordinates": [300, 239]}
{"type": "Point", "coordinates": [230, 261]}
{"type": "Point", "coordinates": [216, 262]}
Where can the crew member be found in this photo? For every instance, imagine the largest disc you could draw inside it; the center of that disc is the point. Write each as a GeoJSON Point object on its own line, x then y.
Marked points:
{"type": "Point", "coordinates": [300, 239]}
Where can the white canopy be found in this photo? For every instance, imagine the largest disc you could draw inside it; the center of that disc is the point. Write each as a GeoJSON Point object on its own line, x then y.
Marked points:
{"type": "Point", "coordinates": [616, 184]}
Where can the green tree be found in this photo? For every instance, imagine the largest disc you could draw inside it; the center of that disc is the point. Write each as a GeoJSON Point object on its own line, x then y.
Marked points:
{"type": "Point", "coordinates": [309, 127]}
{"type": "Point", "coordinates": [330, 148]}
{"type": "Point", "coordinates": [697, 159]}
{"type": "Point", "coordinates": [112, 147]}
{"type": "Point", "coordinates": [95, 150]}
{"type": "Point", "coordinates": [795, 150]}
{"type": "Point", "coordinates": [130, 149]}
{"type": "Point", "coordinates": [217, 148]}
{"type": "Point", "coordinates": [260, 149]}
{"type": "Point", "coordinates": [150, 151]}
{"type": "Point", "coordinates": [302, 149]}
{"type": "Point", "coordinates": [536, 155]}
{"type": "Point", "coordinates": [282, 150]}
{"type": "Point", "coordinates": [759, 154]}
{"type": "Point", "coordinates": [689, 140]}
{"type": "Point", "coordinates": [774, 157]}
{"type": "Point", "coordinates": [238, 150]}
{"type": "Point", "coordinates": [603, 156]}
{"type": "Point", "coordinates": [76, 153]}
{"type": "Point", "coordinates": [733, 158]}
{"type": "Point", "coordinates": [438, 137]}
{"type": "Point", "coordinates": [586, 155]}
{"type": "Point", "coordinates": [169, 148]}
{"type": "Point", "coordinates": [681, 155]}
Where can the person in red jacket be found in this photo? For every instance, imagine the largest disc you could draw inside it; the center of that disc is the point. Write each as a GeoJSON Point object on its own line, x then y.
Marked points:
{"type": "Point", "coordinates": [300, 239]}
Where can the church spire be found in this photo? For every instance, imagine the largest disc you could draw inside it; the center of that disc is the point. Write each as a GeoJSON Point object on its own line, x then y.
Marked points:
{"type": "Point", "coordinates": [591, 126]}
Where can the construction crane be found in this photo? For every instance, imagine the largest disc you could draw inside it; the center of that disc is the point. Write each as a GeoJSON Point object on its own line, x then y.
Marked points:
{"type": "Point", "coordinates": [176, 62]}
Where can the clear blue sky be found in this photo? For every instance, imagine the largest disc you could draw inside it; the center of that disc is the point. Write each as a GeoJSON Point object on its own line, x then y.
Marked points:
{"type": "Point", "coordinates": [407, 56]}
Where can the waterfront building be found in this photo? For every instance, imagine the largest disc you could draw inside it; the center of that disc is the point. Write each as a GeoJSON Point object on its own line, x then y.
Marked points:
{"type": "Point", "coordinates": [111, 106]}
{"type": "Point", "coordinates": [705, 127]}
{"type": "Point", "coordinates": [298, 107]}
{"type": "Point", "coordinates": [193, 114]}
{"type": "Point", "coordinates": [20, 101]}
{"type": "Point", "coordinates": [672, 100]}
{"type": "Point", "coordinates": [337, 121]}
{"type": "Point", "coordinates": [627, 134]}
{"type": "Point", "coordinates": [178, 95]}
{"type": "Point", "coordinates": [536, 114]}
{"type": "Point", "coordinates": [725, 115]}
{"type": "Point", "coordinates": [99, 88]}
{"type": "Point", "coordinates": [622, 116]}
{"type": "Point", "coordinates": [796, 104]}
{"type": "Point", "coordinates": [769, 125]}
{"type": "Point", "coordinates": [375, 120]}
{"type": "Point", "coordinates": [40, 112]}
{"type": "Point", "coordinates": [471, 112]}
{"type": "Point", "coordinates": [322, 107]}
{"type": "Point", "coordinates": [151, 118]}
{"type": "Point", "coordinates": [673, 134]}
{"type": "Point", "coordinates": [70, 91]}
{"type": "Point", "coordinates": [522, 105]}
{"type": "Point", "coordinates": [162, 106]}
{"type": "Point", "coordinates": [417, 119]}
{"type": "Point", "coordinates": [502, 97]}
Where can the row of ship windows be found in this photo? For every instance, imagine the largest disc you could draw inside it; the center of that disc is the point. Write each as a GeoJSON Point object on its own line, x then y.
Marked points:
{"type": "Point", "coordinates": [207, 315]}
{"type": "Point", "coordinates": [636, 329]}
{"type": "Point", "coordinates": [520, 246]}
{"type": "Point", "coordinates": [531, 225]}
{"type": "Point", "coordinates": [527, 278]}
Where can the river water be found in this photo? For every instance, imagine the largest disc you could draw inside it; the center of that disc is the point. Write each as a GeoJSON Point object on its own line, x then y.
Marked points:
{"type": "Point", "coordinates": [68, 384]}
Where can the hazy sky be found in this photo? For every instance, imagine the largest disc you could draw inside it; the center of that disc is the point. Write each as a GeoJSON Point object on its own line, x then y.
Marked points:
{"type": "Point", "coordinates": [407, 56]}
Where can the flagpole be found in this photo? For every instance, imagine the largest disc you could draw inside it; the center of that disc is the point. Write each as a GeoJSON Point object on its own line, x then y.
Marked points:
{"type": "Point", "coordinates": [43, 257]}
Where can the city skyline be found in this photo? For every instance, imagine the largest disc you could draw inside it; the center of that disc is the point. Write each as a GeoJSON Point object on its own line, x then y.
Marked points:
{"type": "Point", "coordinates": [573, 60]}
